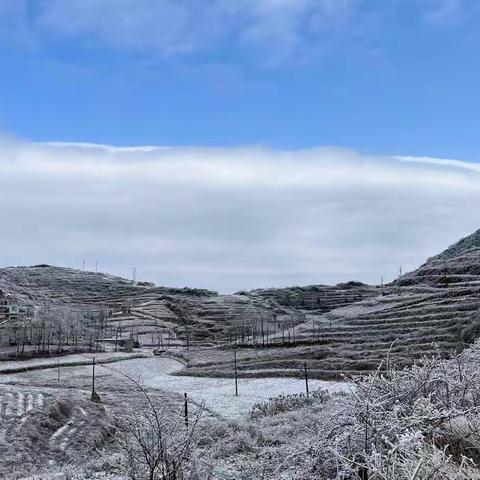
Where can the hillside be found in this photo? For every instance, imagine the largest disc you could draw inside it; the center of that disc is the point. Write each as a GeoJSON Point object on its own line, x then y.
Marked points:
{"type": "Point", "coordinates": [343, 329]}
{"type": "Point", "coordinates": [152, 314]}
{"type": "Point", "coordinates": [418, 316]}
{"type": "Point", "coordinates": [318, 298]}
{"type": "Point", "coordinates": [31, 285]}
{"type": "Point", "coordinates": [458, 265]}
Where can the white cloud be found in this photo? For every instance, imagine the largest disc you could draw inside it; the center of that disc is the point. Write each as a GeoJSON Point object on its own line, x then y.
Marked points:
{"type": "Point", "coordinates": [230, 218]}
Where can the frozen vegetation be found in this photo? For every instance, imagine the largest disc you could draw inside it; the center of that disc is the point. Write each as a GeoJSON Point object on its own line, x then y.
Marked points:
{"type": "Point", "coordinates": [422, 422]}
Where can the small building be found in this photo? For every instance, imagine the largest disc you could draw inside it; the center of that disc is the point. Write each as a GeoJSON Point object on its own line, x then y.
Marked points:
{"type": "Point", "coordinates": [127, 344]}
{"type": "Point", "coordinates": [8, 309]}
{"type": "Point", "coordinates": [123, 344]}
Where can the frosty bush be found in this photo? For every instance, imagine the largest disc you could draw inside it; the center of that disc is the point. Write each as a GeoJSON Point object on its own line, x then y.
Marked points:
{"type": "Point", "coordinates": [423, 420]}
{"type": "Point", "coordinates": [287, 403]}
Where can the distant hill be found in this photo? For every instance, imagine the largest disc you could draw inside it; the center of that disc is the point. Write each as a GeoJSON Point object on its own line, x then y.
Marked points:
{"type": "Point", "coordinates": [68, 285]}
{"type": "Point", "coordinates": [458, 265]}
{"type": "Point", "coordinates": [317, 298]}
{"type": "Point", "coordinates": [434, 309]}
{"type": "Point", "coordinates": [142, 308]}
{"type": "Point", "coordinates": [343, 329]}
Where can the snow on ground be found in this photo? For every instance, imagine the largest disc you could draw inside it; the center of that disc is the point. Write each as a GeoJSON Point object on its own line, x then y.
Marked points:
{"type": "Point", "coordinates": [217, 393]}
{"type": "Point", "coordinates": [64, 360]}
{"type": "Point", "coordinates": [154, 373]}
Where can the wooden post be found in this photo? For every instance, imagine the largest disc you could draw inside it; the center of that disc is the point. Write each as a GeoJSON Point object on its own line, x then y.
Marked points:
{"type": "Point", "coordinates": [306, 379]}
{"type": "Point", "coordinates": [236, 375]}
{"type": "Point", "coordinates": [95, 396]}
{"type": "Point", "coordinates": [58, 371]}
{"type": "Point", "coordinates": [186, 408]}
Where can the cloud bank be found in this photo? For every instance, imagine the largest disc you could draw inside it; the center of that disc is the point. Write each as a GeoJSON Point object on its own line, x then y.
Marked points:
{"type": "Point", "coordinates": [230, 218]}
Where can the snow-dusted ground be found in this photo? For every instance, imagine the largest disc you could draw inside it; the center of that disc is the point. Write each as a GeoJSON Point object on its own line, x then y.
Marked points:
{"type": "Point", "coordinates": [156, 373]}
{"type": "Point", "coordinates": [217, 393]}
{"type": "Point", "coordinates": [64, 360]}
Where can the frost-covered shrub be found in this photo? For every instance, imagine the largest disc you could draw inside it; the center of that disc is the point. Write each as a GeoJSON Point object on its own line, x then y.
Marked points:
{"type": "Point", "coordinates": [287, 403]}
{"type": "Point", "coordinates": [425, 419]}
{"type": "Point", "coordinates": [414, 457]}
{"type": "Point", "coordinates": [61, 409]}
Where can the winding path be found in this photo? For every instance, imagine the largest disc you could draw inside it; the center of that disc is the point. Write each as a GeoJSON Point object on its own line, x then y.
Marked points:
{"type": "Point", "coordinates": [217, 393]}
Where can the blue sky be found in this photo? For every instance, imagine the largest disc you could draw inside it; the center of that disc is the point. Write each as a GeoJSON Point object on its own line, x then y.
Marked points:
{"type": "Point", "coordinates": [306, 138]}
{"type": "Point", "coordinates": [378, 76]}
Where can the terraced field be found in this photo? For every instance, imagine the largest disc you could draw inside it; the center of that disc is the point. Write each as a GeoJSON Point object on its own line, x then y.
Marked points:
{"type": "Point", "coordinates": [318, 298]}
{"type": "Point", "coordinates": [435, 309]}
{"type": "Point", "coordinates": [344, 329]}
{"type": "Point", "coordinates": [401, 328]}
{"type": "Point", "coordinates": [151, 313]}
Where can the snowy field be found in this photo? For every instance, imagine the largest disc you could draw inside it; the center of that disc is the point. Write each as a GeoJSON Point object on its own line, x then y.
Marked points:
{"type": "Point", "coordinates": [217, 393]}
{"type": "Point", "coordinates": [155, 373]}
{"type": "Point", "coordinates": [64, 360]}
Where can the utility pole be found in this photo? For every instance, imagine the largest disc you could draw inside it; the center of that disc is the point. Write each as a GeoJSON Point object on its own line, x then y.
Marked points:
{"type": "Point", "coordinates": [83, 267]}
{"type": "Point", "coordinates": [95, 396]}
{"type": "Point", "coordinates": [58, 371]}
{"type": "Point", "coordinates": [96, 266]}
{"type": "Point", "coordinates": [93, 377]}
{"type": "Point", "coordinates": [236, 374]}
{"type": "Point", "coordinates": [383, 287]}
{"type": "Point", "coordinates": [134, 276]}
{"type": "Point", "coordinates": [400, 280]}
{"type": "Point", "coordinates": [306, 379]}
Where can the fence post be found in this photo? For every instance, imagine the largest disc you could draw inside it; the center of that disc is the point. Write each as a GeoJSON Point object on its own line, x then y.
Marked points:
{"type": "Point", "coordinates": [186, 408]}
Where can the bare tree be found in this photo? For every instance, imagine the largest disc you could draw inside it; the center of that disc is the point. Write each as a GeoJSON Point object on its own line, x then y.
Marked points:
{"type": "Point", "coordinates": [157, 444]}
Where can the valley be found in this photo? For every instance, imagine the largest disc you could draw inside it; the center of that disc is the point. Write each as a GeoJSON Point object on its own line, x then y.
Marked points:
{"type": "Point", "coordinates": [154, 344]}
